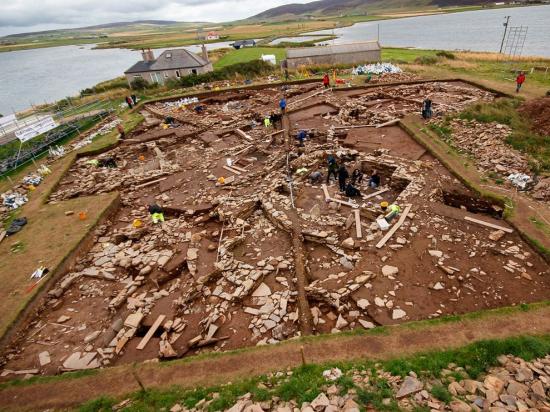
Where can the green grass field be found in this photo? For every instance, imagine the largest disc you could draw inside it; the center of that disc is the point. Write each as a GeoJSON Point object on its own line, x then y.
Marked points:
{"type": "Point", "coordinates": [248, 54]}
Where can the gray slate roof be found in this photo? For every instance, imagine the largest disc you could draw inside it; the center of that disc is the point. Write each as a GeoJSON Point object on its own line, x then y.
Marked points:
{"type": "Point", "coordinates": [332, 49]}
{"type": "Point", "coordinates": [179, 59]}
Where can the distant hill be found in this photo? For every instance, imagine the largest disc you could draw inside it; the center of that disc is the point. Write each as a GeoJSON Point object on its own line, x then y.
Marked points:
{"type": "Point", "coordinates": [349, 7]}
{"type": "Point", "coordinates": [115, 25]}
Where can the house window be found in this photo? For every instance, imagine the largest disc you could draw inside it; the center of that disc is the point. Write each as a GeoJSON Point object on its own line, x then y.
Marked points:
{"type": "Point", "coordinates": [165, 75]}
{"type": "Point", "coordinates": [137, 76]}
{"type": "Point", "coordinates": [178, 73]}
{"type": "Point", "coordinates": [194, 71]}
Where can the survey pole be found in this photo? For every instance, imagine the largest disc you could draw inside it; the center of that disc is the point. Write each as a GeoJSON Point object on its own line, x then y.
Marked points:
{"type": "Point", "coordinates": [505, 29]}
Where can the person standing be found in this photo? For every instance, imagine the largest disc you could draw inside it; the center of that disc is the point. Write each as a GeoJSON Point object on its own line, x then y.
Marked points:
{"type": "Point", "coordinates": [519, 81]}
{"type": "Point", "coordinates": [332, 168]}
{"type": "Point", "coordinates": [326, 81]}
{"type": "Point", "coordinates": [134, 99]}
{"type": "Point", "coordinates": [427, 109]}
{"type": "Point", "coordinates": [357, 177]}
{"type": "Point", "coordinates": [342, 177]}
{"type": "Point", "coordinates": [301, 136]}
{"type": "Point", "coordinates": [282, 105]}
{"type": "Point", "coordinates": [129, 101]}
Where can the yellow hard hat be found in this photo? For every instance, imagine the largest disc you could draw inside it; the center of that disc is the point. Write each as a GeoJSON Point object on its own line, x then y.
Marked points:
{"type": "Point", "coordinates": [384, 204]}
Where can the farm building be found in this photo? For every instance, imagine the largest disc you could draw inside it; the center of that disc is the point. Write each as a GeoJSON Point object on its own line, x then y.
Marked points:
{"type": "Point", "coordinates": [353, 53]}
{"type": "Point", "coordinates": [171, 64]}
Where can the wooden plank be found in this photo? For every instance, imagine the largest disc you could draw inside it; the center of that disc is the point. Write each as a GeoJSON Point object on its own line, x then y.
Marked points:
{"type": "Point", "coordinates": [310, 96]}
{"type": "Point", "coordinates": [243, 150]}
{"type": "Point", "coordinates": [276, 133]}
{"type": "Point", "coordinates": [481, 222]}
{"type": "Point", "coordinates": [358, 126]}
{"type": "Point", "coordinates": [388, 123]}
{"type": "Point", "coordinates": [358, 231]}
{"type": "Point", "coordinates": [325, 191]}
{"type": "Point", "coordinates": [231, 170]}
{"type": "Point", "coordinates": [240, 169]}
{"type": "Point", "coordinates": [244, 135]}
{"type": "Point", "coordinates": [150, 332]}
{"type": "Point", "coordinates": [342, 202]}
{"type": "Point", "coordinates": [2, 235]}
{"type": "Point", "coordinates": [150, 183]}
{"type": "Point", "coordinates": [394, 227]}
{"type": "Point", "coordinates": [375, 193]}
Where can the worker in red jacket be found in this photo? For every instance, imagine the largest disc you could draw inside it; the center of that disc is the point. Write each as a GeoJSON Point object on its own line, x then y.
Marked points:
{"type": "Point", "coordinates": [326, 81]}
{"type": "Point", "coordinates": [519, 81]}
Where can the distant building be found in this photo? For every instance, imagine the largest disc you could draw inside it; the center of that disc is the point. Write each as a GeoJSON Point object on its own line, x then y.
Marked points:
{"type": "Point", "coordinates": [171, 64]}
{"type": "Point", "coordinates": [212, 35]}
{"type": "Point", "coordinates": [353, 53]}
{"type": "Point", "coordinates": [243, 43]}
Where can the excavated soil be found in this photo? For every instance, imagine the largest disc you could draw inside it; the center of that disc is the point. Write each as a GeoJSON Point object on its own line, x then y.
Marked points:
{"type": "Point", "coordinates": [538, 111]}
{"type": "Point", "coordinates": [262, 256]}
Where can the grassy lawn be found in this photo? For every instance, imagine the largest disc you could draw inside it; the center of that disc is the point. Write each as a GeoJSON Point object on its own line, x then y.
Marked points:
{"type": "Point", "coordinates": [248, 54]}
{"type": "Point", "coordinates": [306, 382]}
{"type": "Point", "coordinates": [46, 240]}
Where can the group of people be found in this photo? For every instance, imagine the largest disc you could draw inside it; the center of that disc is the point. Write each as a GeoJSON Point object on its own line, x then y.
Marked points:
{"type": "Point", "coordinates": [341, 174]}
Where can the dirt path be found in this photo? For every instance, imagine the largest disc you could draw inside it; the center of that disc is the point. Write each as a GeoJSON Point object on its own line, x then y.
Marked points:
{"type": "Point", "coordinates": [401, 340]}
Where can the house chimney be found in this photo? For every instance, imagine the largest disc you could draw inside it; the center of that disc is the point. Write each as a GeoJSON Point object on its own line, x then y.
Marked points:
{"type": "Point", "coordinates": [205, 53]}
{"type": "Point", "coordinates": [148, 55]}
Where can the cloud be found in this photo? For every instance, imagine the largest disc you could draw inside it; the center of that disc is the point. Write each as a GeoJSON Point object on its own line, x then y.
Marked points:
{"type": "Point", "coordinates": [26, 15]}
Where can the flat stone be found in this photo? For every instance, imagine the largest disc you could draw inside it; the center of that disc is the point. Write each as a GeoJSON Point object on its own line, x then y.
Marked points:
{"type": "Point", "coordinates": [44, 358]}
{"type": "Point", "coordinates": [494, 383]}
{"type": "Point", "coordinates": [92, 336]}
{"type": "Point", "coordinates": [192, 254]}
{"type": "Point", "coordinates": [409, 386]}
{"type": "Point", "coordinates": [348, 243]}
{"type": "Point", "coordinates": [363, 303]}
{"type": "Point", "coordinates": [78, 361]}
{"type": "Point", "coordinates": [366, 324]}
{"type": "Point", "coordinates": [459, 406]}
{"type": "Point", "coordinates": [262, 291]}
{"type": "Point", "coordinates": [398, 314]}
{"type": "Point", "coordinates": [435, 253]}
{"type": "Point", "coordinates": [63, 319]}
{"type": "Point", "coordinates": [320, 402]}
{"type": "Point", "coordinates": [388, 270]}
{"type": "Point", "coordinates": [341, 322]}
{"type": "Point", "coordinates": [133, 320]}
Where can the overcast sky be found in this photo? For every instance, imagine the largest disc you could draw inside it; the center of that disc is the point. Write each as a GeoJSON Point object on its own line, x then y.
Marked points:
{"type": "Point", "coordinates": [18, 16]}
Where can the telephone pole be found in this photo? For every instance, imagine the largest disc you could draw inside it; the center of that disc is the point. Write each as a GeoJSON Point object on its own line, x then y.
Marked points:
{"type": "Point", "coordinates": [505, 29]}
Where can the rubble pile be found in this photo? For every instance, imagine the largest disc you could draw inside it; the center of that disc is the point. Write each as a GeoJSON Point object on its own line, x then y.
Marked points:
{"type": "Point", "coordinates": [486, 142]}
{"type": "Point", "coordinates": [380, 105]}
{"type": "Point", "coordinates": [516, 385]}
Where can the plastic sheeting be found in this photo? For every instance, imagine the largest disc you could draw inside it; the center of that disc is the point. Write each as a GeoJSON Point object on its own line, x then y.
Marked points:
{"type": "Point", "coordinates": [377, 68]}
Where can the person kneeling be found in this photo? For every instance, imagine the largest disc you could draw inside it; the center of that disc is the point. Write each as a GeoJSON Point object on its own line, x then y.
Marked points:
{"type": "Point", "coordinates": [352, 191]}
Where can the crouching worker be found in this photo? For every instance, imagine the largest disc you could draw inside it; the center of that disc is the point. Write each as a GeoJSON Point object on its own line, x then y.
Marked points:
{"type": "Point", "coordinates": [394, 211]}
{"type": "Point", "coordinates": [352, 191]}
{"type": "Point", "coordinates": [156, 212]}
{"type": "Point", "coordinates": [315, 177]}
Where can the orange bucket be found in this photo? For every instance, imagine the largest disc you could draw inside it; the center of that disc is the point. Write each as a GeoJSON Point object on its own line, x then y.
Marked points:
{"type": "Point", "coordinates": [82, 215]}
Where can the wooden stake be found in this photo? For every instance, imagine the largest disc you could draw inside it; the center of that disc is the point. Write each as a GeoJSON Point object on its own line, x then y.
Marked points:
{"type": "Point", "coordinates": [303, 355]}
{"type": "Point", "coordinates": [150, 183]}
{"type": "Point", "coordinates": [481, 222]}
{"type": "Point", "coordinates": [150, 332]}
{"type": "Point", "coordinates": [244, 135]}
{"type": "Point", "coordinates": [325, 191]}
{"type": "Point", "coordinates": [375, 193]}
{"type": "Point", "coordinates": [358, 231]}
{"type": "Point", "coordinates": [231, 170]}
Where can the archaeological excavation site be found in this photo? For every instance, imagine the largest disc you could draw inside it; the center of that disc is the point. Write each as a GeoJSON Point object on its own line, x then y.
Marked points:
{"type": "Point", "coordinates": [225, 236]}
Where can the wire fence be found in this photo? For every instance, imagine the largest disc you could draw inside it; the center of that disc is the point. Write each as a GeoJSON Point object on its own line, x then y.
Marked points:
{"type": "Point", "coordinates": [19, 154]}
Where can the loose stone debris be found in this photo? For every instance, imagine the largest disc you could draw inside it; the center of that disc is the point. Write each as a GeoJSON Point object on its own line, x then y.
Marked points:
{"type": "Point", "coordinates": [251, 252]}
{"type": "Point", "coordinates": [516, 385]}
